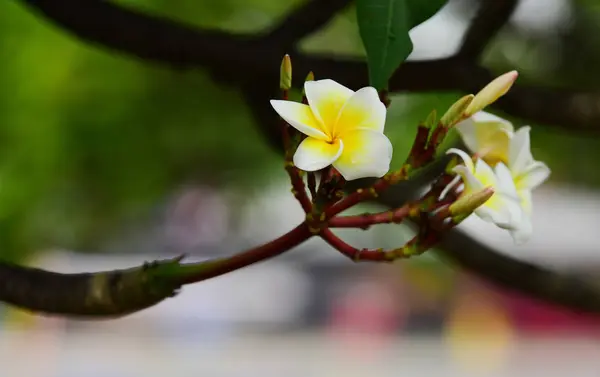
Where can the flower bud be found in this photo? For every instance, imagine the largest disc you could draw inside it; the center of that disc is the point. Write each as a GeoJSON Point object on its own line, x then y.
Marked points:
{"type": "Point", "coordinates": [491, 92]}
{"type": "Point", "coordinates": [285, 76]}
{"type": "Point", "coordinates": [466, 204]}
{"type": "Point", "coordinates": [456, 111]}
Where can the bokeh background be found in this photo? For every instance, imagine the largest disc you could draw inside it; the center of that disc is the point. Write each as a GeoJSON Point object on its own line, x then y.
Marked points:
{"type": "Point", "coordinates": [107, 161]}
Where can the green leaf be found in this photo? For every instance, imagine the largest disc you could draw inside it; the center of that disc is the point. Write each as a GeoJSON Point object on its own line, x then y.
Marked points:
{"type": "Point", "coordinates": [384, 27]}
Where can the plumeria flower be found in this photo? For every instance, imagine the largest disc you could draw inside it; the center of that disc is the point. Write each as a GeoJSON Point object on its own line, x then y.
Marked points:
{"type": "Point", "coordinates": [343, 128]}
{"type": "Point", "coordinates": [495, 141]}
{"type": "Point", "coordinates": [503, 207]}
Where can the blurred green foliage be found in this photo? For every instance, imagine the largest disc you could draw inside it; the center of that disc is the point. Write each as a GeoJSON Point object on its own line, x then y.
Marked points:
{"type": "Point", "coordinates": [90, 138]}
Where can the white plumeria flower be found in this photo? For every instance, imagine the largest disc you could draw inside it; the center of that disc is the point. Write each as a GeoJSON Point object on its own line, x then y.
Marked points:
{"type": "Point", "coordinates": [494, 139]}
{"type": "Point", "coordinates": [503, 207]}
{"type": "Point", "coordinates": [344, 129]}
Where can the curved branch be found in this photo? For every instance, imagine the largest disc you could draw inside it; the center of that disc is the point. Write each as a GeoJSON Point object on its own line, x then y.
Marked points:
{"type": "Point", "coordinates": [117, 293]}
{"type": "Point", "coordinates": [304, 20]}
{"type": "Point", "coordinates": [491, 16]}
{"type": "Point", "coordinates": [143, 35]}
{"type": "Point", "coordinates": [241, 59]}
{"type": "Point", "coordinates": [534, 281]}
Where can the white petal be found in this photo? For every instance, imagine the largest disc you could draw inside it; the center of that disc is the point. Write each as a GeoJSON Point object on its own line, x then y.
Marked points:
{"type": "Point", "coordinates": [467, 160]}
{"type": "Point", "coordinates": [471, 183]}
{"type": "Point", "coordinates": [501, 209]}
{"type": "Point", "coordinates": [535, 174]}
{"type": "Point", "coordinates": [522, 234]}
{"type": "Point", "coordinates": [485, 174]}
{"type": "Point", "coordinates": [487, 135]}
{"type": "Point", "coordinates": [505, 182]}
{"type": "Point", "coordinates": [506, 213]}
{"type": "Point", "coordinates": [525, 201]}
{"type": "Point", "coordinates": [326, 98]}
{"type": "Point", "coordinates": [504, 204]}
{"type": "Point", "coordinates": [363, 110]}
{"type": "Point", "coordinates": [467, 132]}
{"type": "Point", "coordinates": [314, 154]}
{"type": "Point", "coordinates": [485, 213]}
{"type": "Point", "coordinates": [300, 117]}
{"type": "Point", "coordinates": [519, 156]}
{"type": "Point", "coordinates": [485, 117]}
{"type": "Point", "coordinates": [449, 187]}
{"type": "Point", "coordinates": [366, 153]}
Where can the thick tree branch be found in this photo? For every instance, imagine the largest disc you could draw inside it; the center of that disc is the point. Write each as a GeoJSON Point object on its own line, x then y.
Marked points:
{"type": "Point", "coordinates": [241, 59]}
{"type": "Point", "coordinates": [116, 293]}
{"type": "Point", "coordinates": [560, 289]}
{"type": "Point", "coordinates": [303, 21]}
{"type": "Point", "coordinates": [491, 16]}
{"type": "Point", "coordinates": [136, 33]}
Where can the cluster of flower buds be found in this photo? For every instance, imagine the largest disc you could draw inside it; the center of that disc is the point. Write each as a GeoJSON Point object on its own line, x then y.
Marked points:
{"type": "Point", "coordinates": [338, 134]}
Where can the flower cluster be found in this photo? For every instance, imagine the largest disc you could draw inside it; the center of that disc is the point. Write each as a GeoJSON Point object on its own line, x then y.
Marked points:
{"type": "Point", "coordinates": [503, 161]}
{"type": "Point", "coordinates": [342, 131]}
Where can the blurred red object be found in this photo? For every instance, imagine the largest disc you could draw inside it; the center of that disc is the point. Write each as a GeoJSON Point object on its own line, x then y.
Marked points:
{"type": "Point", "coordinates": [535, 317]}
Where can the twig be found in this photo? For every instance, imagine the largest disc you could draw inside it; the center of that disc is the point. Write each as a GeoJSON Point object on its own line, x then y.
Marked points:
{"type": "Point", "coordinates": [196, 272]}
{"type": "Point", "coordinates": [366, 220]}
{"type": "Point", "coordinates": [416, 246]}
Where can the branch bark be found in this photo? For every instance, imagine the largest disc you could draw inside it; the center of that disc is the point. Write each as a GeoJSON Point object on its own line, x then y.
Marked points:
{"type": "Point", "coordinates": [111, 294]}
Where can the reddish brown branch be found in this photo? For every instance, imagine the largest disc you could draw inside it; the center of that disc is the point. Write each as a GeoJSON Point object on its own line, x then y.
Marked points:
{"type": "Point", "coordinates": [298, 187]}
{"type": "Point", "coordinates": [354, 254]}
{"type": "Point", "coordinates": [364, 221]}
{"type": "Point", "coordinates": [416, 246]}
{"type": "Point", "coordinates": [193, 273]}
{"type": "Point", "coordinates": [311, 182]}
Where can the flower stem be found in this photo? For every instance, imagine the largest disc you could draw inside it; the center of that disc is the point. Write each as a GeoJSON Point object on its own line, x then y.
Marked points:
{"type": "Point", "coordinates": [194, 272]}
{"type": "Point", "coordinates": [364, 221]}
{"type": "Point", "coordinates": [416, 246]}
{"type": "Point", "coordinates": [311, 180]}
